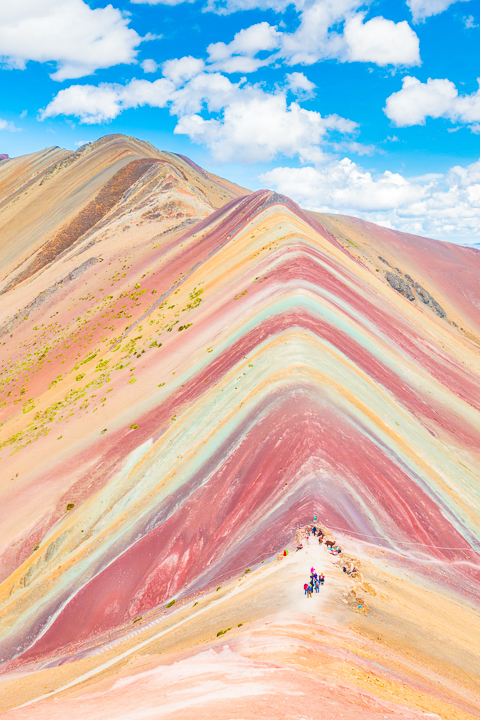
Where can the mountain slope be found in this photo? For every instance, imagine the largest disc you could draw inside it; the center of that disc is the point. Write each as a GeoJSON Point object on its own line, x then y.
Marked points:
{"type": "Point", "coordinates": [197, 372]}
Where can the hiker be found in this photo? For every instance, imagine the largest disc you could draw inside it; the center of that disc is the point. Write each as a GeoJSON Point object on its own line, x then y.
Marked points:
{"type": "Point", "coordinates": [312, 570]}
{"type": "Point", "coordinates": [305, 587]}
{"type": "Point", "coordinates": [317, 585]}
{"type": "Point", "coordinates": [320, 539]}
{"type": "Point", "coordinates": [321, 578]}
{"type": "Point", "coordinates": [314, 530]}
{"type": "Point", "coordinates": [310, 591]}
{"type": "Point", "coordinates": [285, 553]}
{"type": "Point", "coordinates": [299, 547]}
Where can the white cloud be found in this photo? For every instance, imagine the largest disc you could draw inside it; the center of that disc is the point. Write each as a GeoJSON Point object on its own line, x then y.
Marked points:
{"type": "Point", "coordinates": [256, 127]}
{"type": "Point", "coordinates": [149, 66]}
{"type": "Point", "coordinates": [77, 38]}
{"type": "Point", "coordinates": [181, 69]}
{"type": "Point", "coordinates": [356, 147]}
{"type": "Point", "coordinates": [213, 90]}
{"type": "Point", "coordinates": [160, 2]}
{"type": "Point", "coordinates": [422, 9]}
{"type": "Point", "coordinates": [225, 7]}
{"type": "Point", "coordinates": [344, 186]}
{"type": "Point", "coordinates": [381, 41]}
{"type": "Point", "coordinates": [469, 22]}
{"type": "Point", "coordinates": [320, 35]}
{"type": "Point", "coordinates": [378, 40]}
{"type": "Point", "coordinates": [248, 41]}
{"type": "Point", "coordinates": [300, 85]}
{"type": "Point", "coordinates": [435, 205]}
{"type": "Point", "coordinates": [6, 125]}
{"type": "Point", "coordinates": [239, 55]}
{"type": "Point", "coordinates": [93, 105]}
{"type": "Point", "coordinates": [436, 98]}
{"type": "Point", "coordinates": [250, 124]}
{"type": "Point", "coordinates": [313, 40]}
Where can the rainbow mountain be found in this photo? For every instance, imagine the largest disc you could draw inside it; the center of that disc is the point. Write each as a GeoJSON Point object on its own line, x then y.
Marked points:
{"type": "Point", "coordinates": [246, 367]}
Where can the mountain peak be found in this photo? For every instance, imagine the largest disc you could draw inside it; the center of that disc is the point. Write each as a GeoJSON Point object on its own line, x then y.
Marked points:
{"type": "Point", "coordinates": [194, 375]}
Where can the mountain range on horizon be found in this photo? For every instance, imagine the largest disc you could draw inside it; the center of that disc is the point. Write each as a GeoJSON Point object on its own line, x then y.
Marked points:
{"type": "Point", "coordinates": [248, 369]}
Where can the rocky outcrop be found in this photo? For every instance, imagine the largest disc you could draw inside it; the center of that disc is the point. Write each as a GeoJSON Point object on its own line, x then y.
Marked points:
{"type": "Point", "coordinates": [400, 285]}
{"type": "Point", "coordinates": [404, 287]}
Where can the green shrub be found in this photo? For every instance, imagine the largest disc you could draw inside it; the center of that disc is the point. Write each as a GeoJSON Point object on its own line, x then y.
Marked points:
{"type": "Point", "coordinates": [29, 405]}
{"type": "Point", "coordinates": [70, 506]}
{"type": "Point", "coordinates": [169, 605]}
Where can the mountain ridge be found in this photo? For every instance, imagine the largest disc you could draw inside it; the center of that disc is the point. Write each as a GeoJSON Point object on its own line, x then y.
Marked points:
{"type": "Point", "coordinates": [198, 371]}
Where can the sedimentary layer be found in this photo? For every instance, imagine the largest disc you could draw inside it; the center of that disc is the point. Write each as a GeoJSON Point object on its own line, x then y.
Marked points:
{"type": "Point", "coordinates": [190, 372]}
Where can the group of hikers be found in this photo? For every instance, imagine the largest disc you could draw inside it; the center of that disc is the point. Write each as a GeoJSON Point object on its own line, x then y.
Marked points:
{"type": "Point", "coordinates": [304, 534]}
{"type": "Point", "coordinates": [315, 581]}
{"type": "Point", "coordinates": [316, 532]}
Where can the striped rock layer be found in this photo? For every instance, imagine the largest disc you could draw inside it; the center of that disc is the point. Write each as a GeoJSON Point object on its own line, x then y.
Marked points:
{"type": "Point", "coordinates": [191, 371]}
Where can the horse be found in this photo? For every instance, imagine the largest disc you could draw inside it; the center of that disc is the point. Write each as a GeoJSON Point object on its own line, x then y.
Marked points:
{"type": "Point", "coordinates": [330, 543]}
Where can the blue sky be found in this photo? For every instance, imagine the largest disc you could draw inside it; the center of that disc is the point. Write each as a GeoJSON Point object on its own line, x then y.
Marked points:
{"type": "Point", "coordinates": [369, 109]}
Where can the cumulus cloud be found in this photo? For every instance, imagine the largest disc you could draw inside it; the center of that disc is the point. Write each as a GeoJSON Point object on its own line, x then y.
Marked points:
{"type": "Point", "coordinates": [181, 69]}
{"type": "Point", "coordinates": [344, 186]}
{"type": "Point", "coordinates": [149, 66]}
{"type": "Point", "coordinates": [436, 98]}
{"type": "Point", "coordinates": [212, 90]}
{"type": "Point", "coordinates": [320, 35]}
{"type": "Point", "coordinates": [97, 104]}
{"type": "Point", "coordinates": [248, 41]}
{"type": "Point", "coordinates": [160, 2]}
{"type": "Point", "coordinates": [300, 85]}
{"type": "Point", "coordinates": [381, 41]}
{"type": "Point", "coordinates": [70, 33]}
{"type": "Point", "coordinates": [250, 124]}
{"type": "Point", "coordinates": [258, 126]}
{"type": "Point", "coordinates": [446, 206]}
{"type": "Point", "coordinates": [225, 7]}
{"type": "Point", "coordinates": [422, 9]}
{"type": "Point", "coordinates": [239, 55]}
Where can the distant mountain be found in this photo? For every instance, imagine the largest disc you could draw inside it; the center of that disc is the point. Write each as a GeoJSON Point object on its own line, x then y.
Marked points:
{"type": "Point", "coordinates": [190, 373]}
